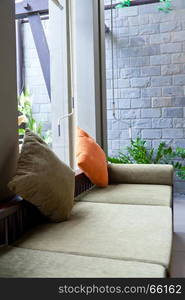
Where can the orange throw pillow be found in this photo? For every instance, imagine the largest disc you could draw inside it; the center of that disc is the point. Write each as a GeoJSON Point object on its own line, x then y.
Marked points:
{"type": "Point", "coordinates": [91, 159]}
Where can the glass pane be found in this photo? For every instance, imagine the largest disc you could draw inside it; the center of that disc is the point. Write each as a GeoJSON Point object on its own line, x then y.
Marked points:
{"type": "Point", "coordinates": [34, 100]}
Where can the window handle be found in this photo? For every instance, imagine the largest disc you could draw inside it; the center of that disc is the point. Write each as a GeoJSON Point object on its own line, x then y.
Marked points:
{"type": "Point", "coordinates": [58, 3]}
{"type": "Point", "coordinates": [65, 117]}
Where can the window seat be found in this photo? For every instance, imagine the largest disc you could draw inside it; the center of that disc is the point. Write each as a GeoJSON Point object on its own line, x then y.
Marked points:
{"type": "Point", "coordinates": [122, 237]}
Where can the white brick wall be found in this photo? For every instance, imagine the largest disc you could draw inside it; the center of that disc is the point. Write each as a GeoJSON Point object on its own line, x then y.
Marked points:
{"type": "Point", "coordinates": [149, 49]}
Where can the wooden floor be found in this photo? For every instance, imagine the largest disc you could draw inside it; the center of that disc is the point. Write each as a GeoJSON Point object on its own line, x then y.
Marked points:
{"type": "Point", "coordinates": [178, 253]}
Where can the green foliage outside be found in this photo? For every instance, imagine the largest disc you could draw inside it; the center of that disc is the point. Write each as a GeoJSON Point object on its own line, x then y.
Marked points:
{"type": "Point", "coordinates": [124, 3]}
{"type": "Point", "coordinates": [25, 107]}
{"type": "Point", "coordinates": [138, 153]}
{"type": "Point", "coordinates": [166, 5]}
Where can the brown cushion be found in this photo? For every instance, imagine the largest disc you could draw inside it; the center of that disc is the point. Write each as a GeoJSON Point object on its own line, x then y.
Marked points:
{"type": "Point", "coordinates": [42, 179]}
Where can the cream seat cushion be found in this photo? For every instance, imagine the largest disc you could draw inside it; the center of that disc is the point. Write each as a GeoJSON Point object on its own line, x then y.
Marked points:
{"type": "Point", "coordinates": [141, 173]}
{"type": "Point", "coordinates": [17, 262]}
{"type": "Point", "coordinates": [146, 194]}
{"type": "Point", "coordinates": [123, 232]}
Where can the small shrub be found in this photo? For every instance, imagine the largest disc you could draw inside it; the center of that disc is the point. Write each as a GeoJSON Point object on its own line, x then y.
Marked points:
{"type": "Point", "coordinates": [166, 6]}
{"type": "Point", "coordinates": [138, 153]}
{"type": "Point", "coordinates": [26, 118]}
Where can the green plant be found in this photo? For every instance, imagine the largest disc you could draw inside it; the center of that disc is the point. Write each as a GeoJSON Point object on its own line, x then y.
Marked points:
{"type": "Point", "coordinates": [166, 6]}
{"type": "Point", "coordinates": [25, 108]}
{"type": "Point", "coordinates": [124, 3]}
{"type": "Point", "coordinates": [138, 153]}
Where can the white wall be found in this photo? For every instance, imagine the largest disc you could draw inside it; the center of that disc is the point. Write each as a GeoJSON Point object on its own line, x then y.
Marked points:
{"type": "Point", "coordinates": [89, 81]}
{"type": "Point", "coordinates": [8, 101]}
{"type": "Point", "coordinates": [59, 78]}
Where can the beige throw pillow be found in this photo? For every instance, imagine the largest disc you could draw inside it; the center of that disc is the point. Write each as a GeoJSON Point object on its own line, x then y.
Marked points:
{"type": "Point", "coordinates": [43, 179]}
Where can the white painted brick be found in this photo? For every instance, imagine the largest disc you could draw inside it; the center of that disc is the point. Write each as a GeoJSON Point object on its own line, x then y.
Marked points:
{"type": "Point", "coordinates": [178, 36]}
{"type": "Point", "coordinates": [150, 113]}
{"type": "Point", "coordinates": [151, 134]}
{"type": "Point", "coordinates": [130, 114]}
{"type": "Point", "coordinates": [173, 91]}
{"type": "Point", "coordinates": [178, 122]}
{"type": "Point", "coordinates": [158, 81]}
{"type": "Point", "coordinates": [141, 103]}
{"type": "Point", "coordinates": [162, 123]}
{"type": "Point", "coordinates": [160, 38]}
{"type": "Point", "coordinates": [172, 112]}
{"type": "Point", "coordinates": [171, 47]}
{"type": "Point", "coordinates": [160, 60]}
{"type": "Point", "coordinates": [173, 132]}
{"type": "Point", "coordinates": [151, 92]}
{"type": "Point", "coordinates": [142, 123]}
{"type": "Point", "coordinates": [140, 82]}
{"type": "Point", "coordinates": [128, 11]}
